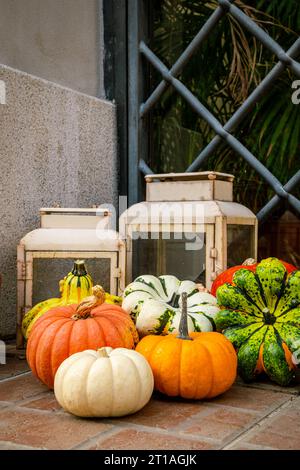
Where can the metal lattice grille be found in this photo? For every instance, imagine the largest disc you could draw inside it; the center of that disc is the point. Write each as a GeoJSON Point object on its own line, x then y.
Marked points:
{"type": "Point", "coordinates": [223, 133]}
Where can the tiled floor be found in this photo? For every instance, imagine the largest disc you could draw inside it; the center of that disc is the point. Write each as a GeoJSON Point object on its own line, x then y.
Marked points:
{"type": "Point", "coordinates": [15, 362]}
{"type": "Point", "coordinates": [260, 416]}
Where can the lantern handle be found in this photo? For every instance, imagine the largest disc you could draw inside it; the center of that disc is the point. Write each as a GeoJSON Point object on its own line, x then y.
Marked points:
{"type": "Point", "coordinates": [183, 325]}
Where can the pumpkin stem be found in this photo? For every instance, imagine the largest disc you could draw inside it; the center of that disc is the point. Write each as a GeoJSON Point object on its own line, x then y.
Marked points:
{"type": "Point", "coordinates": [249, 262]}
{"type": "Point", "coordinates": [84, 308]}
{"type": "Point", "coordinates": [79, 268]}
{"type": "Point", "coordinates": [201, 288]}
{"type": "Point", "coordinates": [102, 352]}
{"type": "Point", "coordinates": [183, 325]}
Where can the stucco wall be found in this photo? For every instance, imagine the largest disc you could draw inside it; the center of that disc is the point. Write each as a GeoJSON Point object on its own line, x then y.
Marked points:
{"type": "Point", "coordinates": [59, 40]}
{"type": "Point", "coordinates": [57, 146]}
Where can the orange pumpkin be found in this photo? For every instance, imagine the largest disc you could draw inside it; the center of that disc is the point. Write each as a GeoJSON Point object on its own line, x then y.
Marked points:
{"type": "Point", "coordinates": [202, 365]}
{"type": "Point", "coordinates": [66, 330]}
{"type": "Point", "coordinates": [227, 275]}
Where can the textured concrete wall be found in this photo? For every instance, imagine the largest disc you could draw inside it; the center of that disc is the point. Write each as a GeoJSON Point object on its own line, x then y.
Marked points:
{"type": "Point", "coordinates": [59, 40]}
{"type": "Point", "coordinates": [57, 146]}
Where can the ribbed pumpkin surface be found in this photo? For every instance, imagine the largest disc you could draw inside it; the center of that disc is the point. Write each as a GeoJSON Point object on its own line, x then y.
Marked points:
{"type": "Point", "coordinates": [261, 317]}
{"type": "Point", "coordinates": [74, 288]}
{"type": "Point", "coordinates": [56, 336]}
{"type": "Point", "coordinates": [202, 368]}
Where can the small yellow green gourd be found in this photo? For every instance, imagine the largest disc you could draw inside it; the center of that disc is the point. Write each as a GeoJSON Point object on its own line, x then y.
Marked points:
{"type": "Point", "coordinates": [73, 288]}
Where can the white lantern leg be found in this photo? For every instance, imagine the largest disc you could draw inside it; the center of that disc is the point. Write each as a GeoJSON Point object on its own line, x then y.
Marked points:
{"type": "Point", "coordinates": [20, 294]}
{"type": "Point", "coordinates": [24, 289]}
{"type": "Point", "coordinates": [122, 265]}
{"type": "Point", "coordinates": [114, 273]}
{"type": "Point", "coordinates": [221, 244]}
{"type": "Point", "coordinates": [28, 281]}
{"type": "Point", "coordinates": [130, 229]}
{"type": "Point", "coordinates": [256, 240]}
{"type": "Point", "coordinates": [210, 255]}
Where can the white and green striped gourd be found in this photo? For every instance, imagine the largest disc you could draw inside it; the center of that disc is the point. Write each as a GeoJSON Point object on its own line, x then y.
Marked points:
{"type": "Point", "coordinates": [154, 303]}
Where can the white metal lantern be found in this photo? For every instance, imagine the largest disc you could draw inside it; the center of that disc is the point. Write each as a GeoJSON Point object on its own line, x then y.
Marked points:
{"type": "Point", "coordinates": [188, 226]}
{"type": "Point", "coordinates": [67, 234]}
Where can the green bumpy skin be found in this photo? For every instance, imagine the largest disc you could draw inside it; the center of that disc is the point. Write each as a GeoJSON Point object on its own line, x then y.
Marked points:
{"type": "Point", "coordinates": [248, 354]}
{"type": "Point", "coordinates": [260, 315]}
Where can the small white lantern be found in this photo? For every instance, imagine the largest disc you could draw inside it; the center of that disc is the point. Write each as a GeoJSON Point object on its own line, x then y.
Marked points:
{"type": "Point", "coordinates": [67, 234]}
{"type": "Point", "coordinates": [189, 226]}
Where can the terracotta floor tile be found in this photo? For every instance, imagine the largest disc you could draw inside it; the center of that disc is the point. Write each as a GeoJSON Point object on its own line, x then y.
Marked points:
{"type": "Point", "coordinates": [251, 398]}
{"type": "Point", "coordinates": [294, 404]}
{"type": "Point", "coordinates": [13, 366]}
{"type": "Point", "coordinates": [47, 402]}
{"type": "Point", "coordinates": [20, 388]}
{"type": "Point", "coordinates": [165, 413]}
{"type": "Point", "coordinates": [131, 439]}
{"type": "Point", "coordinates": [247, 446]}
{"type": "Point", "coordinates": [4, 404]}
{"type": "Point", "coordinates": [46, 430]}
{"type": "Point", "coordinates": [26, 421]}
{"type": "Point", "coordinates": [280, 432]}
{"type": "Point", "coordinates": [287, 421]}
{"type": "Point", "coordinates": [278, 441]}
{"type": "Point", "coordinates": [264, 383]}
{"type": "Point", "coordinates": [221, 423]}
{"type": "Point", "coordinates": [12, 446]}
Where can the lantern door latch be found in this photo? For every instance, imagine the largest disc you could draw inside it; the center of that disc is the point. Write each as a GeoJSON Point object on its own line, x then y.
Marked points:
{"type": "Point", "coordinates": [117, 272]}
{"type": "Point", "coordinates": [213, 253]}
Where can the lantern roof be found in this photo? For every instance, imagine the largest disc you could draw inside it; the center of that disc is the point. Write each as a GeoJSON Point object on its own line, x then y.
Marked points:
{"type": "Point", "coordinates": [200, 186]}
{"type": "Point", "coordinates": [187, 212]}
{"type": "Point", "coordinates": [195, 176]}
{"type": "Point", "coordinates": [57, 239]}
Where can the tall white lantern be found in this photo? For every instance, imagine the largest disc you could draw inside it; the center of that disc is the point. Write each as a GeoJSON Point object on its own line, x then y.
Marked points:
{"type": "Point", "coordinates": [188, 226]}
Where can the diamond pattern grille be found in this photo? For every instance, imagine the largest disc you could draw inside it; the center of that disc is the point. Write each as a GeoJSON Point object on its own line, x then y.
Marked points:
{"type": "Point", "coordinates": [286, 59]}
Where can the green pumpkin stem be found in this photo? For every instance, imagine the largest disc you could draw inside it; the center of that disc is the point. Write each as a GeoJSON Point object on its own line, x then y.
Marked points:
{"type": "Point", "coordinates": [79, 268]}
{"type": "Point", "coordinates": [183, 325]}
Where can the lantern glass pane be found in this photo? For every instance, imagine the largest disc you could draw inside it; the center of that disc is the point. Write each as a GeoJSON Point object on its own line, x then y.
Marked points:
{"type": "Point", "coordinates": [48, 272]}
{"type": "Point", "coordinates": [240, 244]}
{"type": "Point", "coordinates": [161, 253]}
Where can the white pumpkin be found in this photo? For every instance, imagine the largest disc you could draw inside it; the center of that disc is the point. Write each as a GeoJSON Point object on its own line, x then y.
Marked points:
{"type": "Point", "coordinates": [154, 303]}
{"type": "Point", "coordinates": [104, 383]}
